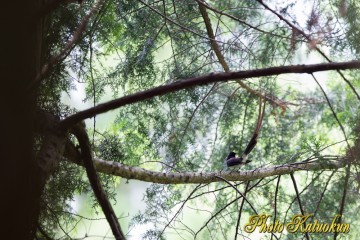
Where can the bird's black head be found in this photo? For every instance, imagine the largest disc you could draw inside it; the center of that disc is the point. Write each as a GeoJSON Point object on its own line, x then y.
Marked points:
{"type": "Point", "coordinates": [231, 155]}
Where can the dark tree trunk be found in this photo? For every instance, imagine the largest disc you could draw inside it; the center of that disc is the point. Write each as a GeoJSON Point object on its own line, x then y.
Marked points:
{"type": "Point", "coordinates": [20, 185]}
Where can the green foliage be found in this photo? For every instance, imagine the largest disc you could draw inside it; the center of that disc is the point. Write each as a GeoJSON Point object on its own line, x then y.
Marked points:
{"type": "Point", "coordinates": [353, 30]}
{"type": "Point", "coordinates": [129, 47]}
{"type": "Point", "coordinates": [59, 192]}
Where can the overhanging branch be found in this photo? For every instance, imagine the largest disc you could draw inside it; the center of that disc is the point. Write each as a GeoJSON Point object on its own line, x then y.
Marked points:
{"type": "Point", "coordinates": [203, 80]}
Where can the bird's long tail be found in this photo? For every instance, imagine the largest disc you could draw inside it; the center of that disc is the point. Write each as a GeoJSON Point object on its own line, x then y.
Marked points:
{"type": "Point", "coordinates": [251, 144]}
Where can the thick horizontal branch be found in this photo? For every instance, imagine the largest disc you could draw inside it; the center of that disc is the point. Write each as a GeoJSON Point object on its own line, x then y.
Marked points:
{"type": "Point", "coordinates": [121, 170]}
{"type": "Point", "coordinates": [202, 80]}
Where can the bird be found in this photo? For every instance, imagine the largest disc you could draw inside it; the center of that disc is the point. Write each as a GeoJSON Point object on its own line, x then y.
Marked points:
{"type": "Point", "coordinates": [231, 161]}
{"type": "Point", "coordinates": [234, 162]}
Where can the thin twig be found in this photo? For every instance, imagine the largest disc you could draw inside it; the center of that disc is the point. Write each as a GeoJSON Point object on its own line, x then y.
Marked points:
{"type": "Point", "coordinates": [308, 38]}
{"type": "Point", "coordinates": [93, 85]}
{"type": "Point", "coordinates": [200, 2]}
{"type": "Point", "coordinates": [333, 112]}
{"type": "Point", "coordinates": [240, 210]}
{"type": "Point", "coordinates": [323, 193]}
{"type": "Point", "coordinates": [177, 213]}
{"type": "Point", "coordinates": [214, 215]}
{"type": "Point", "coordinates": [298, 198]}
{"type": "Point", "coordinates": [275, 200]}
{"type": "Point", "coordinates": [43, 232]}
{"type": "Point", "coordinates": [343, 199]}
{"type": "Point", "coordinates": [224, 207]}
{"type": "Point", "coordinates": [172, 21]}
{"type": "Point", "coordinates": [237, 190]}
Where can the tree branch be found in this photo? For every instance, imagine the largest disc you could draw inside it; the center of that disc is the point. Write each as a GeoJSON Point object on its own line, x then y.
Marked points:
{"type": "Point", "coordinates": [323, 194]}
{"type": "Point", "coordinates": [243, 196]}
{"type": "Point", "coordinates": [202, 80]}
{"type": "Point", "coordinates": [275, 201]}
{"type": "Point", "coordinates": [299, 201]}
{"type": "Point", "coordinates": [308, 38]}
{"type": "Point", "coordinates": [80, 132]}
{"type": "Point", "coordinates": [215, 46]}
{"type": "Point", "coordinates": [222, 13]}
{"type": "Point", "coordinates": [343, 199]}
{"type": "Point", "coordinates": [240, 210]}
{"type": "Point", "coordinates": [128, 172]}
{"type": "Point", "coordinates": [334, 113]}
{"type": "Point", "coordinates": [237, 190]}
{"type": "Point", "coordinates": [180, 209]}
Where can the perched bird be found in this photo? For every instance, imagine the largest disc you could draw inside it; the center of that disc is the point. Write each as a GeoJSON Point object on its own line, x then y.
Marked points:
{"type": "Point", "coordinates": [232, 161]}
{"type": "Point", "coordinates": [236, 162]}
{"type": "Point", "coordinates": [231, 155]}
